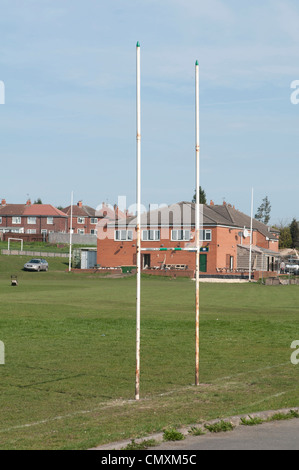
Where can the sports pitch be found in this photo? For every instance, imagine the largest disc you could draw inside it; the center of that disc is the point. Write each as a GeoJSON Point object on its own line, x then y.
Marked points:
{"type": "Point", "coordinates": [69, 374]}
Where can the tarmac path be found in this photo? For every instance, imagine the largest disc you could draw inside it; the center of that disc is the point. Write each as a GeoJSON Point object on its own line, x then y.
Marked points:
{"type": "Point", "coordinates": [276, 435]}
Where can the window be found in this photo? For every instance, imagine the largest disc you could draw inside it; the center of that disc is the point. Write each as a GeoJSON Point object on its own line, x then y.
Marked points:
{"type": "Point", "coordinates": [31, 220]}
{"type": "Point", "coordinates": [123, 235]}
{"type": "Point", "coordinates": [16, 220]}
{"type": "Point", "coordinates": [81, 231]}
{"type": "Point", "coordinates": [93, 221]}
{"type": "Point", "coordinates": [50, 220]}
{"type": "Point", "coordinates": [0, 220]}
{"type": "Point", "coordinates": [151, 235]}
{"type": "Point", "coordinates": [81, 220]}
{"type": "Point", "coordinates": [206, 235]}
{"type": "Point", "coordinates": [44, 231]}
{"type": "Point", "coordinates": [93, 232]}
{"type": "Point", "coordinates": [31, 230]}
{"type": "Point", "coordinates": [180, 235]}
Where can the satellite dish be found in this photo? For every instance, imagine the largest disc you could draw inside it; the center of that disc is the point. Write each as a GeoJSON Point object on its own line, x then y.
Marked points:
{"type": "Point", "coordinates": [245, 233]}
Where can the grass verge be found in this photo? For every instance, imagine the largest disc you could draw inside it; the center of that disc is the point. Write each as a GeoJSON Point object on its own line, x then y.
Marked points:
{"type": "Point", "coordinates": [69, 374]}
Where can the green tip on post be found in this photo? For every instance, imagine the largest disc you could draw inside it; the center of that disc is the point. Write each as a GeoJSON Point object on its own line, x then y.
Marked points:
{"type": "Point", "coordinates": [138, 44]}
{"type": "Point", "coordinates": [196, 63]}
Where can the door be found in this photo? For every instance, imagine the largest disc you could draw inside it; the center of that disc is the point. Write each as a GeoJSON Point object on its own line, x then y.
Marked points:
{"type": "Point", "coordinates": [203, 264]}
{"type": "Point", "coordinates": [84, 259]}
{"type": "Point", "coordinates": [146, 261]}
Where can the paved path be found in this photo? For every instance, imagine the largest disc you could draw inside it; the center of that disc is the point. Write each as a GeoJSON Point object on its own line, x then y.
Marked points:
{"type": "Point", "coordinates": [276, 435]}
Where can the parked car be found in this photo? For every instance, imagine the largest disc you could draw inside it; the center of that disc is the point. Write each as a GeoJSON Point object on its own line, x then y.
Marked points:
{"type": "Point", "coordinates": [292, 266]}
{"type": "Point", "coordinates": [36, 264]}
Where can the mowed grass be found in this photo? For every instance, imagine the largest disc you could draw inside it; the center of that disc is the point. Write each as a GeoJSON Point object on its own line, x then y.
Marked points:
{"type": "Point", "coordinates": [69, 377]}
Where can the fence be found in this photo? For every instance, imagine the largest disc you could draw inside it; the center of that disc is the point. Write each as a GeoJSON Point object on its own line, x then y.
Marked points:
{"type": "Point", "coordinates": [39, 254]}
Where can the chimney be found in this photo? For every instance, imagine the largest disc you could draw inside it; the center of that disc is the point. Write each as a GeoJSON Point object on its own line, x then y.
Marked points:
{"type": "Point", "coordinates": [224, 203]}
{"type": "Point", "coordinates": [3, 202]}
{"type": "Point", "coordinates": [79, 204]}
{"type": "Point", "coordinates": [28, 202]}
{"type": "Point", "coordinates": [212, 203]}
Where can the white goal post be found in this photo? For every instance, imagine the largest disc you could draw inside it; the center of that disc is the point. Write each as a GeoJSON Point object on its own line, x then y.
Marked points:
{"type": "Point", "coordinates": [16, 239]}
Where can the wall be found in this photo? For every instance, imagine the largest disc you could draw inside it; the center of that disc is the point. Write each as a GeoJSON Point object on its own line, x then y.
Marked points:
{"type": "Point", "coordinates": [113, 253]}
{"type": "Point", "coordinates": [76, 239]}
{"type": "Point", "coordinates": [224, 244]}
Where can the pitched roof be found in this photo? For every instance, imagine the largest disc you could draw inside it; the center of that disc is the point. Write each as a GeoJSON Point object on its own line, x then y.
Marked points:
{"type": "Point", "coordinates": [80, 211]}
{"type": "Point", "coordinates": [183, 213]}
{"type": "Point", "coordinates": [18, 210]}
{"type": "Point", "coordinates": [43, 210]}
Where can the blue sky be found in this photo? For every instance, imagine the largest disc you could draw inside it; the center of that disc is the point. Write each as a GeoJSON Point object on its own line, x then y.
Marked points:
{"type": "Point", "coordinates": [69, 124]}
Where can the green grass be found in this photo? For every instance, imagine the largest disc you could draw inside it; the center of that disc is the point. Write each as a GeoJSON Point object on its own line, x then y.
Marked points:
{"type": "Point", "coordinates": [69, 377]}
{"type": "Point", "coordinates": [251, 421]}
{"type": "Point", "coordinates": [172, 435]}
{"type": "Point", "coordinates": [221, 426]}
{"type": "Point", "coordinates": [143, 445]}
{"type": "Point", "coordinates": [39, 246]}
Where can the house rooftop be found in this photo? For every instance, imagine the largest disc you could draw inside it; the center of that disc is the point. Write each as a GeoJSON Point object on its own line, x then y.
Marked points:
{"type": "Point", "coordinates": [183, 214]}
{"type": "Point", "coordinates": [28, 210]}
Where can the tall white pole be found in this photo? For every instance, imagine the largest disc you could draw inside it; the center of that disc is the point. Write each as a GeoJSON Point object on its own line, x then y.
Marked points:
{"type": "Point", "coordinates": [71, 232]}
{"type": "Point", "coordinates": [197, 227]}
{"type": "Point", "coordinates": [138, 241]}
{"type": "Point", "coordinates": [251, 225]}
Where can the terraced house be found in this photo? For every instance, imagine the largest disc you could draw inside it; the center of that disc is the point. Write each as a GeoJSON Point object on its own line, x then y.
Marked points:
{"type": "Point", "coordinates": [225, 241]}
{"type": "Point", "coordinates": [84, 220]}
{"type": "Point", "coordinates": [39, 219]}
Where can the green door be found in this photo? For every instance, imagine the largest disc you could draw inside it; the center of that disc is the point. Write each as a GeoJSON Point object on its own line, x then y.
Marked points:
{"type": "Point", "coordinates": [203, 264]}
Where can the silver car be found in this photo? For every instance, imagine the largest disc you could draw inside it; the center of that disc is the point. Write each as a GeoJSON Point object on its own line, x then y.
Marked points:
{"type": "Point", "coordinates": [36, 264]}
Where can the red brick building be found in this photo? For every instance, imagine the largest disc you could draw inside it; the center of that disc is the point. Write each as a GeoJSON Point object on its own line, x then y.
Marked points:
{"type": "Point", "coordinates": [31, 218]}
{"type": "Point", "coordinates": [225, 240]}
{"type": "Point", "coordinates": [85, 218]}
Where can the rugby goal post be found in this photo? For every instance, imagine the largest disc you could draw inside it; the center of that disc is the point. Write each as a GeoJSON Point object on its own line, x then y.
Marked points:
{"type": "Point", "coordinates": [16, 239]}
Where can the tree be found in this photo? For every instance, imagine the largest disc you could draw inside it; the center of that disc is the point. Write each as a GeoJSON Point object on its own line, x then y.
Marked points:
{"type": "Point", "coordinates": [202, 196]}
{"type": "Point", "coordinates": [38, 201]}
{"type": "Point", "coordinates": [285, 238]}
{"type": "Point", "coordinates": [294, 229]}
{"type": "Point", "coordinates": [263, 212]}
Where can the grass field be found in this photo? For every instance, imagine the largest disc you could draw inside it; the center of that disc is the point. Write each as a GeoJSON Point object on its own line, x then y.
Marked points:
{"type": "Point", "coordinates": [39, 246]}
{"type": "Point", "coordinates": [69, 377]}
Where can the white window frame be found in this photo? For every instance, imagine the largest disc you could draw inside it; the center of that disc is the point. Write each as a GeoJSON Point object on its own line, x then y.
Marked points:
{"type": "Point", "coordinates": [50, 220]}
{"type": "Point", "coordinates": [123, 235]}
{"type": "Point", "coordinates": [0, 220]}
{"type": "Point", "coordinates": [151, 235]}
{"type": "Point", "coordinates": [81, 220]}
{"type": "Point", "coordinates": [203, 235]}
{"type": "Point", "coordinates": [93, 231]}
{"type": "Point", "coordinates": [31, 231]}
{"type": "Point", "coordinates": [81, 231]}
{"type": "Point", "coordinates": [16, 220]}
{"type": "Point", "coordinates": [94, 220]}
{"type": "Point", "coordinates": [183, 235]}
{"type": "Point", "coordinates": [44, 230]}
{"type": "Point", "coordinates": [31, 220]}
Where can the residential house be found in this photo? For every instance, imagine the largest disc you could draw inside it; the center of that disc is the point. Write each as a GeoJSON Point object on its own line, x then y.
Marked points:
{"type": "Point", "coordinates": [85, 218]}
{"type": "Point", "coordinates": [28, 218]}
